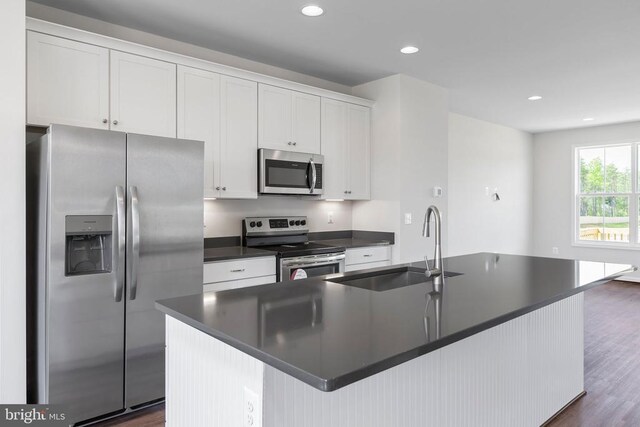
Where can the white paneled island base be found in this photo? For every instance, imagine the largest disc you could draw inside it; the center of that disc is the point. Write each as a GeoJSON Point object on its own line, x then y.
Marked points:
{"type": "Point", "coordinates": [520, 372]}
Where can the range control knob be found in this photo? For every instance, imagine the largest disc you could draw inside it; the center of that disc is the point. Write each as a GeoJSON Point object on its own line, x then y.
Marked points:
{"type": "Point", "coordinates": [252, 224]}
{"type": "Point", "coordinates": [303, 222]}
{"type": "Point", "coordinates": [291, 222]}
{"type": "Point", "coordinates": [259, 223]}
{"type": "Point", "coordinates": [297, 222]}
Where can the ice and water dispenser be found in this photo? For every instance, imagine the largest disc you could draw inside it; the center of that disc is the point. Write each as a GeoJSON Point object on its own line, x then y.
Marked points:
{"type": "Point", "coordinates": [88, 244]}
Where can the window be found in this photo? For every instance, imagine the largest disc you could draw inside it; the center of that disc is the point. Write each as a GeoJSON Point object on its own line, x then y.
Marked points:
{"type": "Point", "coordinates": [607, 194]}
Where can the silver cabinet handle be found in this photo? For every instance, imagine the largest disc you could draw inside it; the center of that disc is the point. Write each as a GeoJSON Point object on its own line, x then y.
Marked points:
{"type": "Point", "coordinates": [115, 122]}
{"type": "Point", "coordinates": [346, 192]}
{"type": "Point", "coordinates": [313, 176]}
{"type": "Point", "coordinates": [134, 252]}
{"type": "Point", "coordinates": [295, 143]}
{"type": "Point", "coordinates": [368, 255]}
{"type": "Point", "coordinates": [119, 245]}
{"type": "Point", "coordinates": [240, 270]}
{"type": "Point", "coordinates": [218, 188]}
{"type": "Point", "coordinates": [224, 188]}
{"type": "Point", "coordinates": [289, 143]}
{"type": "Point", "coordinates": [105, 121]}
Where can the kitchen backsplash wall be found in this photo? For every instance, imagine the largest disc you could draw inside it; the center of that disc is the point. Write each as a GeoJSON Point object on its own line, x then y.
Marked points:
{"type": "Point", "coordinates": [223, 217]}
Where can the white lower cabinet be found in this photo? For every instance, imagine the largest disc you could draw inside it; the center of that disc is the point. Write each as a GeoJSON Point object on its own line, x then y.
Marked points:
{"type": "Point", "coordinates": [238, 273]}
{"type": "Point", "coordinates": [367, 257]}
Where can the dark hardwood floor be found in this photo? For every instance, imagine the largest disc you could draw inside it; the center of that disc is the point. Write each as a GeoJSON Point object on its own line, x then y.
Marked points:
{"type": "Point", "coordinates": [612, 359]}
{"type": "Point", "coordinates": [612, 365]}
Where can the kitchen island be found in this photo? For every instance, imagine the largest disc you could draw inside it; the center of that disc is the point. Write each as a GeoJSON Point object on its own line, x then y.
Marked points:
{"type": "Point", "coordinates": [502, 344]}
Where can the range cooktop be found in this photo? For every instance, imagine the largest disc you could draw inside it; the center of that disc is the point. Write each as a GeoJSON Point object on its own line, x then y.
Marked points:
{"type": "Point", "coordinates": [302, 249]}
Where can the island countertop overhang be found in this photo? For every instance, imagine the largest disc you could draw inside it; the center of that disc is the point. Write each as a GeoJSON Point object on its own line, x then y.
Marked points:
{"type": "Point", "coordinates": [330, 335]}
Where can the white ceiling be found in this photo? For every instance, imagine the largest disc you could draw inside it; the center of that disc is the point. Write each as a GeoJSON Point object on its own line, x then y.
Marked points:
{"type": "Point", "coordinates": [582, 56]}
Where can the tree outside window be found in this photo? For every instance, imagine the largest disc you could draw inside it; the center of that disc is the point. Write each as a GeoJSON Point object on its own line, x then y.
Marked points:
{"type": "Point", "coordinates": [605, 192]}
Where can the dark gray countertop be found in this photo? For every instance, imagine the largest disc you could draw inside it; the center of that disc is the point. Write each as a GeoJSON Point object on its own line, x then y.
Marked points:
{"type": "Point", "coordinates": [354, 243]}
{"type": "Point", "coordinates": [330, 335]}
{"type": "Point", "coordinates": [233, 252]}
{"type": "Point", "coordinates": [221, 253]}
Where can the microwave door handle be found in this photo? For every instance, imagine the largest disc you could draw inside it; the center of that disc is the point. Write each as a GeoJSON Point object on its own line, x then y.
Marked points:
{"type": "Point", "coordinates": [313, 176]}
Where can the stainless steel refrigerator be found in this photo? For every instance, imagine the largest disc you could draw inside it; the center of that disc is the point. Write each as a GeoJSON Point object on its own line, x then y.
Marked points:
{"type": "Point", "coordinates": [115, 223]}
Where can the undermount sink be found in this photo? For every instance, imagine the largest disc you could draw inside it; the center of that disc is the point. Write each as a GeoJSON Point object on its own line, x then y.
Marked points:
{"type": "Point", "coordinates": [386, 280]}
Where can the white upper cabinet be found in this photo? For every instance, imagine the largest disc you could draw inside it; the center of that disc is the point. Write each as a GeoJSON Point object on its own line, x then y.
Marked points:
{"type": "Point", "coordinates": [239, 138]}
{"type": "Point", "coordinates": [334, 148]}
{"type": "Point", "coordinates": [306, 122]}
{"type": "Point", "coordinates": [199, 119]}
{"type": "Point", "coordinates": [288, 120]}
{"type": "Point", "coordinates": [143, 95]}
{"type": "Point", "coordinates": [346, 146]}
{"type": "Point", "coordinates": [359, 152]}
{"type": "Point", "coordinates": [222, 112]}
{"type": "Point", "coordinates": [67, 82]}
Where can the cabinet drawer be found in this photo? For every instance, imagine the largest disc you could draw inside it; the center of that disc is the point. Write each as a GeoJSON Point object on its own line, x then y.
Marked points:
{"type": "Point", "coordinates": [368, 254]}
{"type": "Point", "coordinates": [366, 265]}
{"type": "Point", "coordinates": [222, 271]}
{"type": "Point", "coordinates": [236, 284]}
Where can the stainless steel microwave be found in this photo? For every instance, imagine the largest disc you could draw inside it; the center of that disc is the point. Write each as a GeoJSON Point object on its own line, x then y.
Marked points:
{"type": "Point", "coordinates": [288, 172]}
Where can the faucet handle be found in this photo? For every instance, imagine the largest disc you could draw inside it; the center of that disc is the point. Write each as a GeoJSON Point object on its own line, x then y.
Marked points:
{"type": "Point", "coordinates": [428, 270]}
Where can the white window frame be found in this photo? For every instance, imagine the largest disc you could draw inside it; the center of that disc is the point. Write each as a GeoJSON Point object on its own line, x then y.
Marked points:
{"type": "Point", "coordinates": [634, 195]}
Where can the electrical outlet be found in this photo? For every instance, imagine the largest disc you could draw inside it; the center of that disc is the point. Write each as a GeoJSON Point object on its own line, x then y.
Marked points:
{"type": "Point", "coordinates": [407, 218]}
{"type": "Point", "coordinates": [252, 414]}
{"type": "Point", "coordinates": [330, 218]}
{"type": "Point", "coordinates": [555, 250]}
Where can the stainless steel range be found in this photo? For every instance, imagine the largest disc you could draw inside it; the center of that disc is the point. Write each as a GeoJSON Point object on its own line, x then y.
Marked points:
{"type": "Point", "coordinates": [287, 236]}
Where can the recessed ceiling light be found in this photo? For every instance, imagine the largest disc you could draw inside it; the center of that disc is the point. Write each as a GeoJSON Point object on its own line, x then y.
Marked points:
{"type": "Point", "coordinates": [534, 98]}
{"type": "Point", "coordinates": [312, 10]}
{"type": "Point", "coordinates": [588, 119]}
{"type": "Point", "coordinates": [409, 49]}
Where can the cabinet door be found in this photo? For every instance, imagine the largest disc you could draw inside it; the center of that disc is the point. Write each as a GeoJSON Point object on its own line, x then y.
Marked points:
{"type": "Point", "coordinates": [67, 82]}
{"type": "Point", "coordinates": [274, 118]}
{"type": "Point", "coordinates": [199, 119]}
{"type": "Point", "coordinates": [306, 123]}
{"type": "Point", "coordinates": [143, 95]}
{"type": "Point", "coordinates": [359, 152]}
{"type": "Point", "coordinates": [238, 138]}
{"type": "Point", "coordinates": [334, 148]}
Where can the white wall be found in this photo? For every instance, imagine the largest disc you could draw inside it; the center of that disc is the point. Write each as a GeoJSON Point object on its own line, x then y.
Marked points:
{"type": "Point", "coordinates": [12, 209]}
{"type": "Point", "coordinates": [553, 195]}
{"type": "Point", "coordinates": [483, 154]}
{"type": "Point", "coordinates": [409, 158]}
{"type": "Point", "coordinates": [46, 13]}
{"type": "Point", "coordinates": [223, 217]}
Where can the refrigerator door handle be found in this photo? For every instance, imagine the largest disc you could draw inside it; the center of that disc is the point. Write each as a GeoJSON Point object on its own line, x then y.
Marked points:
{"type": "Point", "coordinates": [135, 241]}
{"type": "Point", "coordinates": [120, 243]}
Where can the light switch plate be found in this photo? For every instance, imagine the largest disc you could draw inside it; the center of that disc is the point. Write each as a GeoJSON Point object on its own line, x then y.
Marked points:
{"type": "Point", "coordinates": [407, 218]}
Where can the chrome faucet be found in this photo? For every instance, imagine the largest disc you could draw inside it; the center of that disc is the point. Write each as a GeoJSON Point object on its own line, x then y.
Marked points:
{"type": "Point", "coordinates": [437, 271]}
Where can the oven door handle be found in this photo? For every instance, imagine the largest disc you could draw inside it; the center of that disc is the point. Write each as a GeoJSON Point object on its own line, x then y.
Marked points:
{"type": "Point", "coordinates": [314, 176]}
{"type": "Point", "coordinates": [306, 262]}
